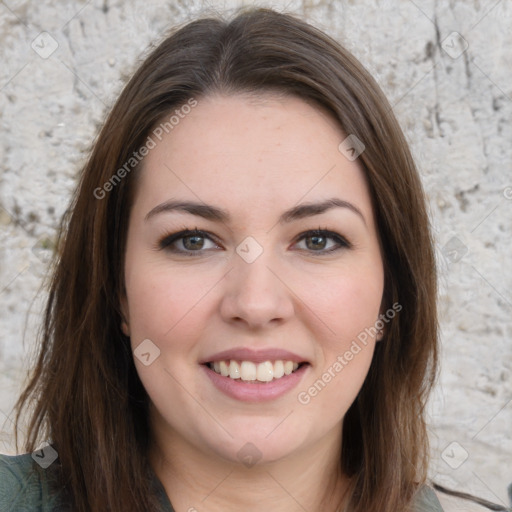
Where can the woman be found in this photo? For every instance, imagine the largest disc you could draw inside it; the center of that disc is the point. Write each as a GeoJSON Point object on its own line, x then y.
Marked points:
{"type": "Point", "coordinates": [242, 314]}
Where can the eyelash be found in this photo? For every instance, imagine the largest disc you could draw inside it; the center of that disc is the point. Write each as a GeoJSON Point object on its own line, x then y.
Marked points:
{"type": "Point", "coordinates": [166, 241]}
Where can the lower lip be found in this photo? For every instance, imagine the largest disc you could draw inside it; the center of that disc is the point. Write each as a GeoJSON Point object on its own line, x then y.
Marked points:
{"type": "Point", "coordinates": [255, 391]}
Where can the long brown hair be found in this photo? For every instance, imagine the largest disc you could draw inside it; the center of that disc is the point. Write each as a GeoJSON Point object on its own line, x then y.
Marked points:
{"type": "Point", "coordinates": [85, 394]}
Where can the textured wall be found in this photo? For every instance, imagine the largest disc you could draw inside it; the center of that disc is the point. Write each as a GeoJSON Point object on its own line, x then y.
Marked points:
{"type": "Point", "coordinates": [446, 67]}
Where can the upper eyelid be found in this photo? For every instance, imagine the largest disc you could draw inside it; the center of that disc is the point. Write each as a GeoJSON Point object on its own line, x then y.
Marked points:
{"type": "Point", "coordinates": [309, 232]}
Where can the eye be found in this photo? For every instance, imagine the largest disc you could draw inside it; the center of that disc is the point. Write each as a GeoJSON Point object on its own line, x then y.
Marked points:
{"type": "Point", "coordinates": [320, 240]}
{"type": "Point", "coordinates": [194, 242]}
{"type": "Point", "coordinates": [190, 240]}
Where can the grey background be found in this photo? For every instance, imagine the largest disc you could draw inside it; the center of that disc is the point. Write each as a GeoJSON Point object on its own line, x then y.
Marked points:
{"type": "Point", "coordinates": [446, 68]}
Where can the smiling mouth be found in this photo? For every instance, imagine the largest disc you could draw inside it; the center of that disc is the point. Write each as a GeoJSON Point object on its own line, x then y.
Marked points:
{"type": "Point", "coordinates": [248, 371]}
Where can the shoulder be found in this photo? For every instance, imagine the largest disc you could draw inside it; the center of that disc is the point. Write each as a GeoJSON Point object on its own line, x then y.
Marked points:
{"type": "Point", "coordinates": [19, 485]}
{"type": "Point", "coordinates": [24, 484]}
{"type": "Point", "coordinates": [426, 501]}
{"type": "Point", "coordinates": [456, 501]}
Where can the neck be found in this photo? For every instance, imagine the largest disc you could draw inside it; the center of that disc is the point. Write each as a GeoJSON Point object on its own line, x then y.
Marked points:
{"type": "Point", "coordinates": [194, 480]}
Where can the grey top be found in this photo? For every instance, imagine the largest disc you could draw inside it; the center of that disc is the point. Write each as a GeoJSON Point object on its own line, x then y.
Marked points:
{"type": "Point", "coordinates": [25, 487]}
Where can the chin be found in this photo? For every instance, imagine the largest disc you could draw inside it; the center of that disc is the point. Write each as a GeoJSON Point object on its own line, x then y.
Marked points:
{"type": "Point", "coordinates": [264, 444]}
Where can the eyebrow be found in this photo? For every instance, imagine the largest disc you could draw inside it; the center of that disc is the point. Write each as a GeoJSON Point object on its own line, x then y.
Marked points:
{"type": "Point", "coordinates": [216, 214]}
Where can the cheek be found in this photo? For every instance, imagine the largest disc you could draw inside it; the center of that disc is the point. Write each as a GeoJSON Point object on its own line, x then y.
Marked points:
{"type": "Point", "coordinates": [165, 307]}
{"type": "Point", "coordinates": [346, 304]}
{"type": "Point", "coordinates": [347, 307]}
{"type": "Point", "coordinates": [162, 301]}
{"type": "Point", "coordinates": [344, 350]}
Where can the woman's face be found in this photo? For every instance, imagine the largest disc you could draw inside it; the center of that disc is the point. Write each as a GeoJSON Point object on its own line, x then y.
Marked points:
{"type": "Point", "coordinates": [253, 289]}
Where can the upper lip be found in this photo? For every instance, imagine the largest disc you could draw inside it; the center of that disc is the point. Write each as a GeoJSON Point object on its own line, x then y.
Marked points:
{"type": "Point", "coordinates": [256, 356]}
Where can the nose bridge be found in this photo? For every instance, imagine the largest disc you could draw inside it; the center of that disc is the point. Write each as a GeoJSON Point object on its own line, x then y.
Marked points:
{"type": "Point", "coordinates": [254, 292]}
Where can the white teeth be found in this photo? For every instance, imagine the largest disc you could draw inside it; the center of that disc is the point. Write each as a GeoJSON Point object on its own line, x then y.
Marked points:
{"type": "Point", "coordinates": [278, 369]}
{"type": "Point", "coordinates": [249, 371]}
{"type": "Point", "coordinates": [223, 368]}
{"type": "Point", "coordinates": [265, 372]}
{"type": "Point", "coordinates": [234, 370]}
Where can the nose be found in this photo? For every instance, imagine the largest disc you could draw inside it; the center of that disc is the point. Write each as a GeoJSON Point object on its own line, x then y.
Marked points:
{"type": "Point", "coordinates": [256, 294]}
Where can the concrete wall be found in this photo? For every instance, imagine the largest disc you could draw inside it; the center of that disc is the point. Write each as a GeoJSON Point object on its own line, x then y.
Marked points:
{"type": "Point", "coordinates": [446, 67]}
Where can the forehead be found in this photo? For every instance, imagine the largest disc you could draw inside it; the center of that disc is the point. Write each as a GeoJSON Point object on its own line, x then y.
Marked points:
{"type": "Point", "coordinates": [251, 152]}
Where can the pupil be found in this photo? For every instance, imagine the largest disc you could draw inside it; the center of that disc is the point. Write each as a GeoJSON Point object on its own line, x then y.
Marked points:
{"type": "Point", "coordinates": [316, 238]}
{"type": "Point", "coordinates": [194, 246]}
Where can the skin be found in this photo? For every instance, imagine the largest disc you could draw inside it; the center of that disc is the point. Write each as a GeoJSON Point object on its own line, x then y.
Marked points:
{"type": "Point", "coordinates": [255, 157]}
